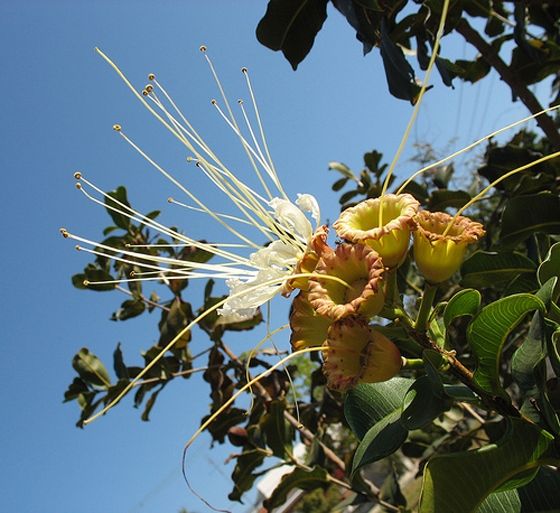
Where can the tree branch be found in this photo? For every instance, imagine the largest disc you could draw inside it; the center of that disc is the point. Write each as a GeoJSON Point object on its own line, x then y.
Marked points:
{"type": "Point", "coordinates": [491, 56]}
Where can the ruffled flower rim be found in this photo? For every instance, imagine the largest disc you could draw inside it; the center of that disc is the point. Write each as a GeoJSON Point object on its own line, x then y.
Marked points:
{"type": "Point", "coordinates": [432, 226]}
{"type": "Point", "coordinates": [404, 208]}
{"type": "Point", "coordinates": [347, 258]}
{"type": "Point", "coordinates": [316, 247]}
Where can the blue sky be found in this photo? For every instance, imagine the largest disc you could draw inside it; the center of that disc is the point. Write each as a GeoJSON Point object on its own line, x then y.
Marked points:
{"type": "Point", "coordinates": [60, 101]}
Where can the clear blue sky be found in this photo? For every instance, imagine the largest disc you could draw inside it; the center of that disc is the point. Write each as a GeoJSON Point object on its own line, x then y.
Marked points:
{"type": "Point", "coordinates": [59, 103]}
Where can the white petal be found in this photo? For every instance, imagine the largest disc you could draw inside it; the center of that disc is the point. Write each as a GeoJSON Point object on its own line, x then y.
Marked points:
{"type": "Point", "coordinates": [277, 254]}
{"type": "Point", "coordinates": [251, 294]}
{"type": "Point", "coordinates": [308, 203]}
{"type": "Point", "coordinates": [292, 217]}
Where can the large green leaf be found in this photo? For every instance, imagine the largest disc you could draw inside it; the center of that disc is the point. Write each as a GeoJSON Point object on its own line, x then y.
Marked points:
{"type": "Point", "coordinates": [490, 269]}
{"type": "Point", "coordinates": [400, 74]}
{"type": "Point", "coordinates": [488, 332]}
{"type": "Point", "coordinates": [291, 26]}
{"type": "Point", "coordinates": [529, 214]}
{"type": "Point", "coordinates": [539, 496]}
{"type": "Point", "coordinates": [390, 410]}
{"type": "Point", "coordinates": [551, 267]}
{"type": "Point", "coordinates": [383, 439]}
{"type": "Point", "coordinates": [459, 482]}
{"type": "Point", "coordinates": [367, 404]}
{"type": "Point", "coordinates": [533, 350]}
{"type": "Point", "coordinates": [300, 479]}
{"type": "Point", "coordinates": [465, 302]}
{"type": "Point", "coordinates": [424, 401]}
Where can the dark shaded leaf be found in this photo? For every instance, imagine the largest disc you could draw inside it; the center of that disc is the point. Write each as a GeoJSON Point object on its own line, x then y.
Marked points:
{"type": "Point", "coordinates": [526, 215]}
{"type": "Point", "coordinates": [443, 489]}
{"type": "Point", "coordinates": [465, 303]}
{"type": "Point", "coordinates": [298, 479]}
{"type": "Point", "coordinates": [118, 195]}
{"type": "Point", "coordinates": [400, 75]}
{"type": "Point", "coordinates": [369, 403]}
{"type": "Point", "coordinates": [243, 475]}
{"type": "Point", "coordinates": [291, 26]}
{"type": "Point", "coordinates": [491, 269]}
{"type": "Point", "coordinates": [422, 404]}
{"type": "Point", "coordinates": [488, 332]}
{"type": "Point", "coordinates": [120, 368]}
{"type": "Point", "coordinates": [279, 433]}
{"type": "Point", "coordinates": [150, 404]}
{"type": "Point", "coordinates": [539, 496]}
{"type": "Point", "coordinates": [129, 309]}
{"type": "Point", "coordinates": [90, 368]}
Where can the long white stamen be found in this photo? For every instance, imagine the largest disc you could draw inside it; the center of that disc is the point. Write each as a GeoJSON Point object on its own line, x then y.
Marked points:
{"type": "Point", "coordinates": [175, 182]}
{"type": "Point", "coordinates": [277, 182]}
{"type": "Point", "coordinates": [474, 144]}
{"type": "Point", "coordinates": [154, 224]}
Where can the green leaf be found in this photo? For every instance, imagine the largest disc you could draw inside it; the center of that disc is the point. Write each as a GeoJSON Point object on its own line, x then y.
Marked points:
{"type": "Point", "coordinates": [422, 404]}
{"type": "Point", "coordinates": [368, 403]}
{"type": "Point", "coordinates": [291, 26]}
{"type": "Point", "coordinates": [551, 267]}
{"type": "Point", "coordinates": [383, 439]}
{"type": "Point", "coordinates": [173, 322]}
{"type": "Point", "coordinates": [488, 331]}
{"type": "Point", "coordinates": [121, 371]}
{"type": "Point", "coordinates": [539, 496]}
{"type": "Point", "coordinates": [444, 198]}
{"type": "Point", "coordinates": [118, 194]}
{"type": "Point", "coordinates": [243, 476]}
{"type": "Point", "coordinates": [90, 368]}
{"type": "Point", "coordinates": [129, 309]}
{"type": "Point", "coordinates": [279, 433]}
{"type": "Point", "coordinates": [150, 404]}
{"type": "Point", "coordinates": [459, 482]}
{"type": "Point", "coordinates": [300, 479]}
{"type": "Point", "coordinates": [490, 269]}
{"type": "Point", "coordinates": [529, 214]}
{"type": "Point", "coordinates": [465, 303]}
{"type": "Point", "coordinates": [400, 74]}
{"type": "Point", "coordinates": [533, 350]}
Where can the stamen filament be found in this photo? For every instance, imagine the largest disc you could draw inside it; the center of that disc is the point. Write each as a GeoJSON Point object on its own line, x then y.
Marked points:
{"type": "Point", "coordinates": [474, 144]}
{"type": "Point", "coordinates": [406, 134]}
{"type": "Point", "coordinates": [495, 182]}
{"type": "Point", "coordinates": [193, 323]}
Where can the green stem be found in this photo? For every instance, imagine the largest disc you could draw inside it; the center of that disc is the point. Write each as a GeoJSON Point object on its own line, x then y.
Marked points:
{"type": "Point", "coordinates": [425, 307]}
{"type": "Point", "coordinates": [413, 363]}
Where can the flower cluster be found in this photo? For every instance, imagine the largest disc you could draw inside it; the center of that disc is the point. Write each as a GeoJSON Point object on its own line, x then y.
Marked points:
{"type": "Point", "coordinates": [348, 285]}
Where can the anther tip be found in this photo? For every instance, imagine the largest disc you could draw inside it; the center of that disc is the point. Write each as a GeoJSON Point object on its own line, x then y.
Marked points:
{"type": "Point", "coordinates": [132, 274]}
{"type": "Point", "coordinates": [86, 283]}
{"type": "Point", "coordinates": [78, 247]}
{"type": "Point", "coordinates": [240, 101]}
{"type": "Point", "coordinates": [213, 101]}
{"type": "Point", "coordinates": [244, 70]}
{"type": "Point", "coordinates": [151, 76]}
{"type": "Point", "coordinates": [78, 175]}
{"type": "Point", "coordinates": [144, 92]}
{"type": "Point", "coordinates": [202, 48]}
{"type": "Point", "coordinates": [78, 186]}
{"type": "Point", "coordinates": [170, 200]}
{"type": "Point", "coordinates": [149, 88]}
{"type": "Point", "coordinates": [64, 232]}
{"type": "Point", "coordinates": [117, 127]}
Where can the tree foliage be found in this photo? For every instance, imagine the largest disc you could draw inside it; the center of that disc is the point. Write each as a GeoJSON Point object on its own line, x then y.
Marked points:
{"type": "Point", "coordinates": [474, 412]}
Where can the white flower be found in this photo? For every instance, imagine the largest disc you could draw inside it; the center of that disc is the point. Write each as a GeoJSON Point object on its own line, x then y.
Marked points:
{"type": "Point", "coordinates": [253, 273]}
